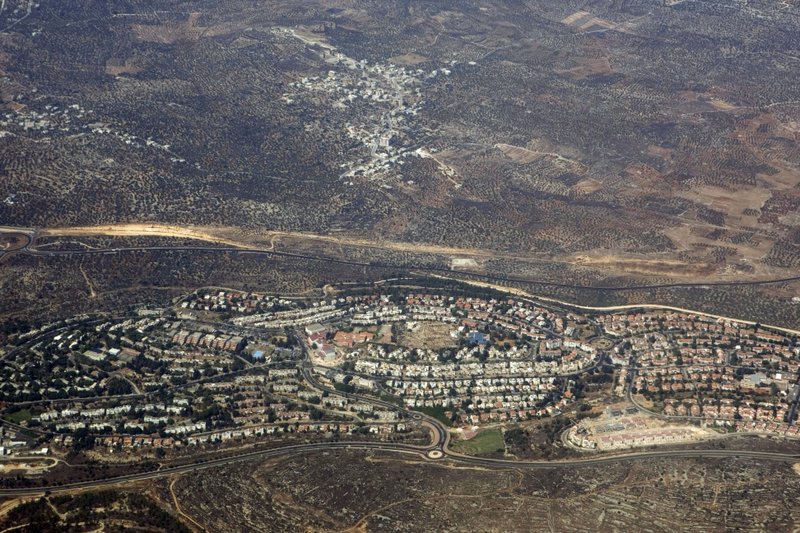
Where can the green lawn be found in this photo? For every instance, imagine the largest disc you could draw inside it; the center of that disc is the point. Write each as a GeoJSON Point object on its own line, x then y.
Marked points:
{"type": "Point", "coordinates": [437, 413]}
{"type": "Point", "coordinates": [18, 417]}
{"type": "Point", "coordinates": [484, 443]}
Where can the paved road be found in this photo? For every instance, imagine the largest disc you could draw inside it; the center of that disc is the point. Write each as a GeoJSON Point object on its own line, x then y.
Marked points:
{"type": "Point", "coordinates": [440, 444]}
{"type": "Point", "coordinates": [441, 434]}
{"type": "Point", "coordinates": [260, 454]}
{"type": "Point", "coordinates": [412, 450]}
{"type": "Point", "coordinates": [31, 249]}
{"type": "Point", "coordinates": [663, 454]}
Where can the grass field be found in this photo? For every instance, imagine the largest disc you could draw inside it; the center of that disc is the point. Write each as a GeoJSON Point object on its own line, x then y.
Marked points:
{"type": "Point", "coordinates": [20, 416]}
{"type": "Point", "coordinates": [437, 413]}
{"type": "Point", "coordinates": [484, 443]}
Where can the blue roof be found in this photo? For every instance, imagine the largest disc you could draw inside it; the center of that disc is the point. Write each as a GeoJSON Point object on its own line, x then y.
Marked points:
{"type": "Point", "coordinates": [258, 354]}
{"type": "Point", "coordinates": [477, 337]}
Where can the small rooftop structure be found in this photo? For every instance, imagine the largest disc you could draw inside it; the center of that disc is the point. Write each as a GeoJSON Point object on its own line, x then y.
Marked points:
{"type": "Point", "coordinates": [315, 329]}
{"type": "Point", "coordinates": [477, 337]}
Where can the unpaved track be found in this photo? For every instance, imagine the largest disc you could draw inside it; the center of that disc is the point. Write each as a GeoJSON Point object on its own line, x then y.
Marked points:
{"type": "Point", "coordinates": [264, 241]}
{"type": "Point", "coordinates": [220, 235]}
{"type": "Point", "coordinates": [257, 240]}
{"type": "Point", "coordinates": [143, 230]}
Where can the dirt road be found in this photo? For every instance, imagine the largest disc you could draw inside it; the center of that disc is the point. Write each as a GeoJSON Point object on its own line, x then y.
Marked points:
{"type": "Point", "coordinates": [267, 239]}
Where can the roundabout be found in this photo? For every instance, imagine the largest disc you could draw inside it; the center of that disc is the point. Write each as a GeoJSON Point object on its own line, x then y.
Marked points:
{"type": "Point", "coordinates": [434, 454]}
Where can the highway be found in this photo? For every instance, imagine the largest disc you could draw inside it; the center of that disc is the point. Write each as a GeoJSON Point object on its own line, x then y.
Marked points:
{"type": "Point", "coordinates": [488, 279]}
{"type": "Point", "coordinates": [418, 451]}
{"type": "Point", "coordinates": [440, 434]}
{"type": "Point", "coordinates": [439, 443]}
{"type": "Point", "coordinates": [636, 456]}
{"type": "Point", "coordinates": [31, 249]}
{"type": "Point", "coordinates": [259, 454]}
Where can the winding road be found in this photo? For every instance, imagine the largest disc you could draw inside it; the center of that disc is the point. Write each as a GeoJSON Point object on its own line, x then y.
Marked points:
{"type": "Point", "coordinates": [406, 449]}
{"type": "Point", "coordinates": [438, 449]}
{"type": "Point", "coordinates": [223, 245]}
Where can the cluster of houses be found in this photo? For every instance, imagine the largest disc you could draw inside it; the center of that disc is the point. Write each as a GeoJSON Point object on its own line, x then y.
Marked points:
{"type": "Point", "coordinates": [230, 343]}
{"type": "Point", "coordinates": [708, 379]}
{"type": "Point", "coordinates": [760, 426]}
{"type": "Point", "coordinates": [726, 409]}
{"type": "Point", "coordinates": [663, 337]}
{"type": "Point", "coordinates": [297, 316]}
{"type": "Point", "coordinates": [504, 359]}
{"type": "Point", "coordinates": [274, 400]}
{"type": "Point", "coordinates": [393, 92]}
{"type": "Point", "coordinates": [504, 412]}
{"type": "Point", "coordinates": [502, 387]}
{"type": "Point", "coordinates": [151, 352]}
{"type": "Point", "coordinates": [227, 301]}
{"type": "Point", "coordinates": [717, 392]}
{"type": "Point", "coordinates": [631, 439]}
{"type": "Point", "coordinates": [306, 427]}
{"type": "Point", "coordinates": [100, 417]}
{"type": "Point", "coordinates": [135, 441]}
{"type": "Point", "coordinates": [496, 360]}
{"type": "Point", "coordinates": [699, 367]}
{"type": "Point", "coordinates": [46, 120]}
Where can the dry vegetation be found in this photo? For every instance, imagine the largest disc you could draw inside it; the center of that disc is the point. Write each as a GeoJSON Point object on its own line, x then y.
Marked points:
{"type": "Point", "coordinates": [106, 510]}
{"type": "Point", "coordinates": [386, 493]}
{"type": "Point", "coordinates": [562, 130]}
{"type": "Point", "coordinates": [600, 152]}
{"type": "Point", "coordinates": [427, 335]}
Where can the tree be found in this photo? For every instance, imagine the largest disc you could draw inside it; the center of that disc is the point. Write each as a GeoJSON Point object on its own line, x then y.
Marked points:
{"type": "Point", "coordinates": [117, 386]}
{"type": "Point", "coordinates": [82, 440]}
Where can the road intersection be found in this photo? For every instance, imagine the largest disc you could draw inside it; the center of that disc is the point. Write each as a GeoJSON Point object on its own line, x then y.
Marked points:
{"type": "Point", "coordinates": [437, 451]}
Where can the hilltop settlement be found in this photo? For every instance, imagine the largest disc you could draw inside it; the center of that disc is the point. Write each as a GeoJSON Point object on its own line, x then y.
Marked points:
{"type": "Point", "coordinates": [218, 369]}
